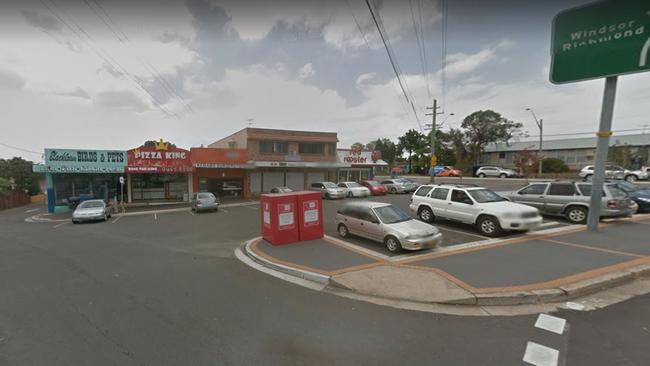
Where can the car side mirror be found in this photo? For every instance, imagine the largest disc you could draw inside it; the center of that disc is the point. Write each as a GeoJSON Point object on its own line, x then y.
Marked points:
{"type": "Point", "coordinates": [469, 202]}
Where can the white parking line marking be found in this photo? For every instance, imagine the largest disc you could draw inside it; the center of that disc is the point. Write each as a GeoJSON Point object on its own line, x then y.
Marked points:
{"type": "Point", "coordinates": [155, 216]}
{"type": "Point", "coordinates": [550, 323]}
{"type": "Point", "coordinates": [461, 232]}
{"type": "Point", "coordinates": [539, 355]}
{"type": "Point", "coordinates": [32, 210]}
{"type": "Point", "coordinates": [116, 219]}
{"type": "Point", "coordinates": [224, 210]}
{"type": "Point", "coordinates": [191, 212]}
{"type": "Point", "coordinates": [253, 207]}
{"type": "Point", "coordinates": [61, 224]}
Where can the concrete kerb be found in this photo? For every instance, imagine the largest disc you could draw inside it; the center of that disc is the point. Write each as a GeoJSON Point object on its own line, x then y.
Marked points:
{"type": "Point", "coordinates": [300, 273]}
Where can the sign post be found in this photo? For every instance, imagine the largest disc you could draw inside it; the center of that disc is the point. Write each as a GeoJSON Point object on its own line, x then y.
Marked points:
{"type": "Point", "coordinates": [601, 40]}
{"type": "Point", "coordinates": [122, 190]}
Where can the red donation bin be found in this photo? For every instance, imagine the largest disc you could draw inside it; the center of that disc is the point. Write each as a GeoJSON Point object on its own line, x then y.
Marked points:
{"type": "Point", "coordinates": [310, 215]}
{"type": "Point", "coordinates": [279, 218]}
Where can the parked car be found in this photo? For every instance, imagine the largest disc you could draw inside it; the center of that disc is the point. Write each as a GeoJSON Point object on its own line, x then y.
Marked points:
{"type": "Point", "coordinates": [489, 212]}
{"type": "Point", "coordinates": [448, 171]}
{"type": "Point", "coordinates": [376, 188]}
{"type": "Point", "coordinates": [329, 190]}
{"type": "Point", "coordinates": [204, 201]}
{"type": "Point", "coordinates": [571, 200]}
{"type": "Point", "coordinates": [91, 210]}
{"type": "Point", "coordinates": [386, 223]}
{"type": "Point", "coordinates": [413, 186]}
{"type": "Point", "coordinates": [399, 185]}
{"type": "Point", "coordinates": [614, 172]}
{"type": "Point", "coordinates": [355, 189]}
{"type": "Point", "coordinates": [640, 195]}
{"type": "Point", "coordinates": [494, 171]}
{"type": "Point", "coordinates": [281, 190]}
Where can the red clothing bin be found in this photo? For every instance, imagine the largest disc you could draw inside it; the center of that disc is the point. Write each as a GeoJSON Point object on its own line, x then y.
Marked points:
{"type": "Point", "coordinates": [279, 218]}
{"type": "Point", "coordinates": [310, 215]}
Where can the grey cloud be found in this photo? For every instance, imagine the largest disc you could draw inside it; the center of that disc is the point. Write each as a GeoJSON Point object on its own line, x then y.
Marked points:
{"type": "Point", "coordinates": [121, 100]}
{"type": "Point", "coordinates": [111, 70]}
{"type": "Point", "coordinates": [211, 20]}
{"type": "Point", "coordinates": [75, 93]}
{"type": "Point", "coordinates": [169, 37]}
{"type": "Point", "coordinates": [43, 22]}
{"type": "Point", "coordinates": [9, 80]}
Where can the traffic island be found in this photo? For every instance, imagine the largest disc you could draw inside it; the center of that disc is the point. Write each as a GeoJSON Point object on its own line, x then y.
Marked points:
{"type": "Point", "coordinates": [536, 269]}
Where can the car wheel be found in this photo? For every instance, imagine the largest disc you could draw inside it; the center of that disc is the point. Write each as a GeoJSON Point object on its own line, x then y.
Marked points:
{"type": "Point", "coordinates": [350, 195]}
{"type": "Point", "coordinates": [481, 175]}
{"type": "Point", "coordinates": [105, 217]}
{"type": "Point", "coordinates": [425, 214]}
{"type": "Point", "coordinates": [489, 226]}
{"type": "Point", "coordinates": [327, 196]}
{"type": "Point", "coordinates": [343, 231]}
{"type": "Point", "coordinates": [588, 177]}
{"type": "Point", "coordinates": [631, 178]}
{"type": "Point", "coordinates": [392, 244]}
{"type": "Point", "coordinates": [75, 221]}
{"type": "Point", "coordinates": [393, 190]}
{"type": "Point", "coordinates": [503, 175]}
{"type": "Point", "coordinates": [577, 215]}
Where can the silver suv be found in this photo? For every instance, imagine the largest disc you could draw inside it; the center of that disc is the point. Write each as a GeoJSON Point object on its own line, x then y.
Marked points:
{"type": "Point", "coordinates": [614, 172]}
{"type": "Point", "coordinates": [571, 200]}
{"type": "Point", "coordinates": [494, 171]}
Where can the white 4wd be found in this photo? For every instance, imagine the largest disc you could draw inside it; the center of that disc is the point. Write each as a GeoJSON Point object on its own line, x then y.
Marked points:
{"type": "Point", "coordinates": [491, 213]}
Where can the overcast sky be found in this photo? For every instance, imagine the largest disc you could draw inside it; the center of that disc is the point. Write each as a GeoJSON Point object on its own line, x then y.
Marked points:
{"type": "Point", "coordinates": [101, 74]}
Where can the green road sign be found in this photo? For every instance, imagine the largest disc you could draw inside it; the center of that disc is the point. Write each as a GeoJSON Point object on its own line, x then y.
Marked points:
{"type": "Point", "coordinates": [605, 38]}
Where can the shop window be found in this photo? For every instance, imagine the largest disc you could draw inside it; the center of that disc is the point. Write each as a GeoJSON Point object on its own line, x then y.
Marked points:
{"type": "Point", "coordinates": [276, 147]}
{"type": "Point", "coordinates": [305, 148]}
{"type": "Point", "coordinates": [502, 155]}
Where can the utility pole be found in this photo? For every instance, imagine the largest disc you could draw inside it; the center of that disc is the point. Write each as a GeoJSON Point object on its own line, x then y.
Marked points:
{"type": "Point", "coordinates": [433, 136]}
{"type": "Point", "coordinates": [540, 125]}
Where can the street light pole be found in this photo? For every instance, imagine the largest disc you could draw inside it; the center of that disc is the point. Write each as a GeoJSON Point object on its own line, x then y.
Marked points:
{"type": "Point", "coordinates": [433, 114]}
{"type": "Point", "coordinates": [540, 125]}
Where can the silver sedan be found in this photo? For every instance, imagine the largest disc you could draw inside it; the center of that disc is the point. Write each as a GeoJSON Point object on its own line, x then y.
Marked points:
{"type": "Point", "coordinates": [91, 210]}
{"type": "Point", "coordinates": [355, 189]}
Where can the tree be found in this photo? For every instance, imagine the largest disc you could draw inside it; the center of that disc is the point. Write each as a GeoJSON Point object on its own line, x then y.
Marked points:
{"type": "Point", "coordinates": [20, 171]}
{"type": "Point", "coordinates": [526, 162]}
{"type": "Point", "coordinates": [485, 127]}
{"type": "Point", "coordinates": [411, 141]}
{"type": "Point", "coordinates": [387, 148]}
{"type": "Point", "coordinates": [357, 145]}
{"type": "Point", "coordinates": [554, 165]}
{"type": "Point", "coordinates": [4, 185]}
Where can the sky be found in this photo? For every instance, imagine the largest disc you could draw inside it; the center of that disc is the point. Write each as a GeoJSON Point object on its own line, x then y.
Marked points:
{"type": "Point", "coordinates": [98, 74]}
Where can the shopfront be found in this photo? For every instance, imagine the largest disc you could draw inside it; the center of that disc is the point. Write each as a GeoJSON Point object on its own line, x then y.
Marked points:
{"type": "Point", "coordinates": [295, 175]}
{"type": "Point", "coordinates": [159, 172]}
{"type": "Point", "coordinates": [364, 164]}
{"type": "Point", "coordinates": [73, 175]}
{"type": "Point", "coordinates": [224, 172]}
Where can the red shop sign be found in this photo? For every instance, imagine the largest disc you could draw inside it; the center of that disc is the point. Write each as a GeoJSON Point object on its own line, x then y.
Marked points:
{"type": "Point", "coordinates": [161, 158]}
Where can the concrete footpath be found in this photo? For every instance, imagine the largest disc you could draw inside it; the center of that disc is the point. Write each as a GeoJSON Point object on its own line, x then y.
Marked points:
{"type": "Point", "coordinates": [542, 267]}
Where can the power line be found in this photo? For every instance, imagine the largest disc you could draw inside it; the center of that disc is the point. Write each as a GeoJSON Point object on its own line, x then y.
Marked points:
{"type": "Point", "coordinates": [585, 133]}
{"type": "Point", "coordinates": [386, 42]}
{"type": "Point", "coordinates": [106, 58]}
{"type": "Point", "coordinates": [21, 149]}
{"type": "Point", "coordinates": [356, 21]}
{"type": "Point", "coordinates": [419, 45]}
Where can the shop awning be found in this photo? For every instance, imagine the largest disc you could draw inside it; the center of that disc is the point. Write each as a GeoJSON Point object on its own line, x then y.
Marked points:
{"type": "Point", "coordinates": [299, 164]}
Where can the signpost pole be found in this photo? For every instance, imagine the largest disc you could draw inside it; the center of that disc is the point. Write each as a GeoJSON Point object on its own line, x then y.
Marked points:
{"type": "Point", "coordinates": [604, 132]}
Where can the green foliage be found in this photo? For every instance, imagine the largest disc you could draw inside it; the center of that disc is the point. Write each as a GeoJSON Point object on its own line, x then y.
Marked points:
{"type": "Point", "coordinates": [620, 155]}
{"type": "Point", "coordinates": [553, 165]}
{"type": "Point", "coordinates": [411, 142]}
{"type": "Point", "coordinates": [484, 127]}
{"type": "Point", "coordinates": [4, 185]}
{"type": "Point", "coordinates": [357, 145]}
{"type": "Point", "coordinates": [20, 171]}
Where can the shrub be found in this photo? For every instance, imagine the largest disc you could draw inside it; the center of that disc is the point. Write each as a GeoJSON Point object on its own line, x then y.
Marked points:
{"type": "Point", "coordinates": [553, 165]}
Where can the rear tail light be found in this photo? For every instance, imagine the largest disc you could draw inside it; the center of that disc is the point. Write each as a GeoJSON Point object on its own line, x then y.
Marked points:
{"type": "Point", "coordinates": [612, 204]}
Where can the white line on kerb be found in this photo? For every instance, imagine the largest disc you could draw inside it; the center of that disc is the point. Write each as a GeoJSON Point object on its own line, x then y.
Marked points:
{"type": "Point", "coordinates": [550, 323]}
{"type": "Point", "coordinates": [539, 355]}
{"type": "Point", "coordinates": [32, 210]}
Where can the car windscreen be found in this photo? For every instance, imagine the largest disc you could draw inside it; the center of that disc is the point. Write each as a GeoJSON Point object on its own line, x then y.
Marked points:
{"type": "Point", "coordinates": [205, 195]}
{"type": "Point", "coordinates": [391, 214]}
{"type": "Point", "coordinates": [626, 186]}
{"type": "Point", "coordinates": [330, 185]}
{"type": "Point", "coordinates": [373, 183]}
{"type": "Point", "coordinates": [91, 204]}
{"type": "Point", "coordinates": [354, 185]}
{"type": "Point", "coordinates": [485, 195]}
{"type": "Point", "coordinates": [616, 193]}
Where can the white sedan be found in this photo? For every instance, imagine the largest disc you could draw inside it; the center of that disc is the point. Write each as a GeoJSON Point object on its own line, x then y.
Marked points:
{"type": "Point", "coordinates": [355, 189]}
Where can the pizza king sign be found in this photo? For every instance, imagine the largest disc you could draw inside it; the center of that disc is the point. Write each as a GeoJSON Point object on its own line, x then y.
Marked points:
{"type": "Point", "coordinates": [159, 158]}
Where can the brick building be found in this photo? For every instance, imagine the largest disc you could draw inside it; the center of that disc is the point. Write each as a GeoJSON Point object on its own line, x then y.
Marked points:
{"type": "Point", "coordinates": [285, 158]}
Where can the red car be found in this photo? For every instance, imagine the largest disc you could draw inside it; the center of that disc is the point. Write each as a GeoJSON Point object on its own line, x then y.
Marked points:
{"type": "Point", "coordinates": [376, 188]}
{"type": "Point", "coordinates": [449, 171]}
